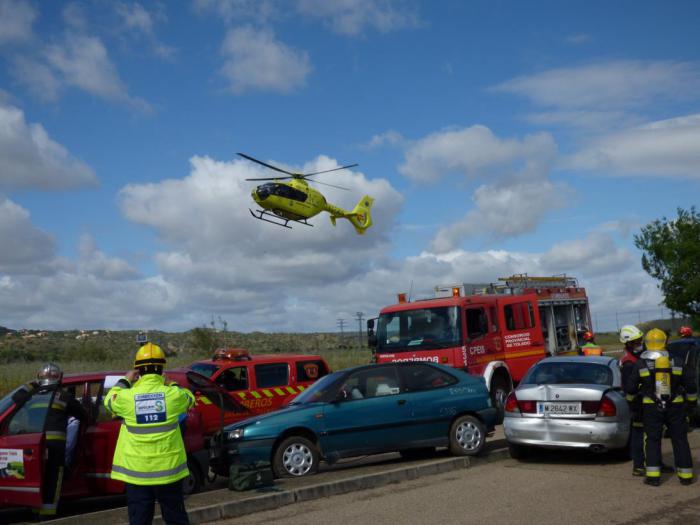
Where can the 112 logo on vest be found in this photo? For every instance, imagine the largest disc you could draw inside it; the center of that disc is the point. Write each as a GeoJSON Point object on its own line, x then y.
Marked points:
{"type": "Point", "coordinates": [150, 408]}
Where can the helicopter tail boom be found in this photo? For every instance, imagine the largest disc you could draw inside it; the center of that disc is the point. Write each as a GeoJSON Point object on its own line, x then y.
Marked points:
{"type": "Point", "coordinates": [360, 216]}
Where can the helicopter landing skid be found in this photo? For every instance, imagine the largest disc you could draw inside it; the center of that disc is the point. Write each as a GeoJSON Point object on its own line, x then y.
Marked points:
{"type": "Point", "coordinates": [275, 219]}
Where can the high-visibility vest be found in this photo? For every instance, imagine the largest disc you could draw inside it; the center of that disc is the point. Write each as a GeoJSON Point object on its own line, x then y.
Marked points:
{"type": "Point", "coordinates": [150, 449]}
{"type": "Point", "coordinates": [591, 349]}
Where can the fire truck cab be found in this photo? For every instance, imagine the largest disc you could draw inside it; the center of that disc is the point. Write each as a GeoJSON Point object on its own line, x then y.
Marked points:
{"type": "Point", "coordinates": [496, 331]}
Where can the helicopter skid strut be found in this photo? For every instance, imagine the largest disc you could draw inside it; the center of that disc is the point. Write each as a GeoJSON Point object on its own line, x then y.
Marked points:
{"type": "Point", "coordinates": [275, 219]}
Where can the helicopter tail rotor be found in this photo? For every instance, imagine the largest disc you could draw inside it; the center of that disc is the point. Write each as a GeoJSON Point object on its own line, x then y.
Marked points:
{"type": "Point", "coordinates": [360, 216]}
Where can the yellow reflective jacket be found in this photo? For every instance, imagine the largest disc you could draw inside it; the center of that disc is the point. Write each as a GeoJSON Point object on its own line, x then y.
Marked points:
{"type": "Point", "coordinates": [150, 450]}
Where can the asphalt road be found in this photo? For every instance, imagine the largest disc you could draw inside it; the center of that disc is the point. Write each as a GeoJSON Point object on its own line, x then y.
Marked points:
{"type": "Point", "coordinates": [551, 488]}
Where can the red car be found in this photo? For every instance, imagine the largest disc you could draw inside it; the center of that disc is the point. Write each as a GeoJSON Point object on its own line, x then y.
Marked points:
{"type": "Point", "coordinates": [22, 439]}
{"type": "Point", "coordinates": [262, 383]}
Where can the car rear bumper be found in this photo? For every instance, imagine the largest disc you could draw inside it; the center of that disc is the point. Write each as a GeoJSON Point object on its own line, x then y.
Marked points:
{"type": "Point", "coordinates": [566, 433]}
{"type": "Point", "coordinates": [489, 416]}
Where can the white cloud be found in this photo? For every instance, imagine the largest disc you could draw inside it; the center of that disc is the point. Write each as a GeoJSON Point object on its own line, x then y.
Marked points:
{"type": "Point", "coordinates": [140, 23]}
{"type": "Point", "coordinates": [236, 10]}
{"type": "Point", "coordinates": [225, 260]}
{"type": "Point", "coordinates": [345, 17]}
{"type": "Point", "coordinates": [503, 210]}
{"type": "Point", "coordinates": [391, 137]}
{"type": "Point", "coordinates": [351, 17]}
{"type": "Point", "coordinates": [517, 193]}
{"type": "Point", "coordinates": [663, 148]}
{"type": "Point", "coordinates": [16, 21]}
{"type": "Point", "coordinates": [30, 159]}
{"type": "Point", "coordinates": [608, 85]}
{"type": "Point", "coordinates": [96, 263]}
{"type": "Point", "coordinates": [82, 61]}
{"type": "Point", "coordinates": [595, 255]}
{"type": "Point", "coordinates": [473, 151]}
{"type": "Point", "coordinates": [256, 60]}
{"type": "Point", "coordinates": [76, 60]}
{"type": "Point", "coordinates": [25, 248]}
{"type": "Point", "coordinates": [578, 38]}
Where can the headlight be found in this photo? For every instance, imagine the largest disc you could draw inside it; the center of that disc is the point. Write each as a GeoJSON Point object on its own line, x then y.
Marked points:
{"type": "Point", "coordinates": [236, 433]}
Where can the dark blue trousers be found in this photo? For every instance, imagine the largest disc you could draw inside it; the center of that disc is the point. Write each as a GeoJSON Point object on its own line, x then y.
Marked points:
{"type": "Point", "coordinates": [141, 501]}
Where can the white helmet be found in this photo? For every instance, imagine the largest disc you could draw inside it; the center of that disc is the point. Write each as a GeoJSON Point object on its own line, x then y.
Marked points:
{"type": "Point", "coordinates": [629, 333]}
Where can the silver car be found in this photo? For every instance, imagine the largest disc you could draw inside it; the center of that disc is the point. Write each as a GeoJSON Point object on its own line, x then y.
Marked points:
{"type": "Point", "coordinates": [568, 402]}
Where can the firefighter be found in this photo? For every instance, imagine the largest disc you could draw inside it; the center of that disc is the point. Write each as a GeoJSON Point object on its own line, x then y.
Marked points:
{"type": "Point", "coordinates": [60, 406]}
{"type": "Point", "coordinates": [632, 337]}
{"type": "Point", "coordinates": [150, 456]}
{"type": "Point", "coordinates": [685, 331]}
{"type": "Point", "coordinates": [590, 348]}
{"type": "Point", "coordinates": [669, 393]}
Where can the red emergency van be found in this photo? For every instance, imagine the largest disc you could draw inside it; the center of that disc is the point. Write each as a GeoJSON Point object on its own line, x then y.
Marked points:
{"type": "Point", "coordinates": [262, 383]}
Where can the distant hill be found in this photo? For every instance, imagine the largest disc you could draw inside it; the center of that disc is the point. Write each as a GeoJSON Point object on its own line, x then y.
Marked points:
{"type": "Point", "coordinates": [4, 330]}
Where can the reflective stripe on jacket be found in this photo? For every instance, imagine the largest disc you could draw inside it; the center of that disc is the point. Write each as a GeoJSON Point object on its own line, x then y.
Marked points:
{"type": "Point", "coordinates": [150, 449]}
{"type": "Point", "coordinates": [591, 349]}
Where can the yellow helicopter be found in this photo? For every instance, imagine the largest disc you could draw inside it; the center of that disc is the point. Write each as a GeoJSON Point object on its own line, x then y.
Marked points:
{"type": "Point", "coordinates": [296, 201]}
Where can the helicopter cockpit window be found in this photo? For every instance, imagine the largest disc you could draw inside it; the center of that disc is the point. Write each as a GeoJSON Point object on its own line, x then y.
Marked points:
{"type": "Point", "coordinates": [265, 190]}
{"type": "Point", "coordinates": [282, 190]}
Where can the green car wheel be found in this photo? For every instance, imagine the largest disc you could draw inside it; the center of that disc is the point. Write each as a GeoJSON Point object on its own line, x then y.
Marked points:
{"type": "Point", "coordinates": [467, 436]}
{"type": "Point", "coordinates": [295, 457]}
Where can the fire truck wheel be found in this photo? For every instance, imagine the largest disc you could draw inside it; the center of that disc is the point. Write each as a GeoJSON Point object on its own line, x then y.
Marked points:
{"type": "Point", "coordinates": [467, 436]}
{"type": "Point", "coordinates": [500, 388]}
{"type": "Point", "coordinates": [192, 483]}
{"type": "Point", "coordinates": [295, 457]}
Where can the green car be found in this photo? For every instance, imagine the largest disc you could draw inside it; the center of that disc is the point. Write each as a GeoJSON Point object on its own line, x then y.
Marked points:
{"type": "Point", "coordinates": [410, 407]}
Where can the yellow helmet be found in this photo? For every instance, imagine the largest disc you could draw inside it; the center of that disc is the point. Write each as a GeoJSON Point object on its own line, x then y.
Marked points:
{"type": "Point", "coordinates": [655, 339]}
{"type": "Point", "coordinates": [149, 354]}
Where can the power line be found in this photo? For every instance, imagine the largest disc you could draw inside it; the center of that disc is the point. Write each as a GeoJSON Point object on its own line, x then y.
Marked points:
{"type": "Point", "coordinates": [359, 326]}
{"type": "Point", "coordinates": [341, 324]}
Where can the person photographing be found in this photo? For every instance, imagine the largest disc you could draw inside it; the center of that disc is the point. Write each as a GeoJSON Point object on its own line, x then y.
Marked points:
{"type": "Point", "coordinates": [150, 456]}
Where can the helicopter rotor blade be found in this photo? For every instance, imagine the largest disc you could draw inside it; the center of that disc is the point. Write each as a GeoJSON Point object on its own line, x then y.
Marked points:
{"type": "Point", "coordinates": [328, 171]}
{"type": "Point", "coordinates": [326, 184]}
{"type": "Point", "coordinates": [252, 159]}
{"type": "Point", "coordinates": [273, 178]}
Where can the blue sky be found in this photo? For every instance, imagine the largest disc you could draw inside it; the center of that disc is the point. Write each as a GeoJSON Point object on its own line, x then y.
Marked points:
{"type": "Point", "coordinates": [496, 137]}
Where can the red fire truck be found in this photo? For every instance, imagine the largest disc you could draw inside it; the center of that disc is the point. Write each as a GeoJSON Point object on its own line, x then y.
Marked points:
{"type": "Point", "coordinates": [493, 330]}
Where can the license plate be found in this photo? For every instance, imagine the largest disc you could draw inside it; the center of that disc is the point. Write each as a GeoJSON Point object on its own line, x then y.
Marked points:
{"type": "Point", "coordinates": [558, 408]}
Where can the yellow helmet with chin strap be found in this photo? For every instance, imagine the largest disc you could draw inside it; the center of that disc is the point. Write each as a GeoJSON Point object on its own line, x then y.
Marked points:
{"type": "Point", "coordinates": [655, 339]}
{"type": "Point", "coordinates": [149, 355]}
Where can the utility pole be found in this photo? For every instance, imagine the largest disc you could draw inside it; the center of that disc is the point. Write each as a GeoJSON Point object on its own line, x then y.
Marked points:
{"type": "Point", "coordinates": [359, 326]}
{"type": "Point", "coordinates": [341, 324]}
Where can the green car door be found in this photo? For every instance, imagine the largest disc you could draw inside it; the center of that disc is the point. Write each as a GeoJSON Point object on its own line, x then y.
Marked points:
{"type": "Point", "coordinates": [370, 414]}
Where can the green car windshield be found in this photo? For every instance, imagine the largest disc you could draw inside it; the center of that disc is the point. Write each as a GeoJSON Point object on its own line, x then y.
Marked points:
{"type": "Point", "coordinates": [319, 391]}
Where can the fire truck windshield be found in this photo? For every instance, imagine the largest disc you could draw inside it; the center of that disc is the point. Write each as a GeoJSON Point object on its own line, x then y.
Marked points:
{"type": "Point", "coordinates": [419, 329]}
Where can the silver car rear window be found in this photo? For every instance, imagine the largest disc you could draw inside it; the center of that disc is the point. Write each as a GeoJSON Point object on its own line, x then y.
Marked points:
{"type": "Point", "coordinates": [568, 373]}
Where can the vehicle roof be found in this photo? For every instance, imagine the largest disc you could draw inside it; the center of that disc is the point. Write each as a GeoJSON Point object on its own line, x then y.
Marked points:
{"type": "Point", "coordinates": [261, 358]}
{"type": "Point", "coordinates": [600, 360]}
{"type": "Point", "coordinates": [449, 301]}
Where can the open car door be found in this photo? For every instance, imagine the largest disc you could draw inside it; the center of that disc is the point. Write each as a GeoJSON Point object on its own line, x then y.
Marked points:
{"type": "Point", "coordinates": [215, 405]}
{"type": "Point", "coordinates": [22, 450]}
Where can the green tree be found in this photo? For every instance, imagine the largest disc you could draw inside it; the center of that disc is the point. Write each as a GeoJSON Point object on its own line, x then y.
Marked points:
{"type": "Point", "coordinates": [672, 255]}
{"type": "Point", "coordinates": [204, 340]}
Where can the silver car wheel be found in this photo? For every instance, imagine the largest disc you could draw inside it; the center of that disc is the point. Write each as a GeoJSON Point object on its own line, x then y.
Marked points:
{"type": "Point", "coordinates": [297, 459]}
{"type": "Point", "coordinates": [468, 435]}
